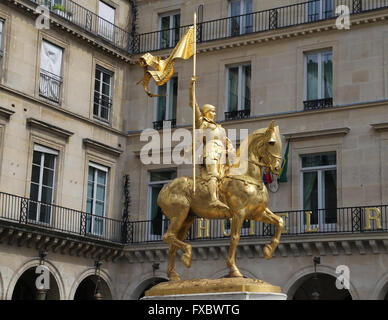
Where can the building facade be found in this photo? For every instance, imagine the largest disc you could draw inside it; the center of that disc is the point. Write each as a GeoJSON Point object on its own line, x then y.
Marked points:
{"type": "Point", "coordinates": [77, 198]}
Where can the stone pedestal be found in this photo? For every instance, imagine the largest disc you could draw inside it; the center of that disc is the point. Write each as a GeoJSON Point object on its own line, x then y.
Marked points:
{"type": "Point", "coordinates": [215, 289]}
{"type": "Point", "coordinates": [221, 296]}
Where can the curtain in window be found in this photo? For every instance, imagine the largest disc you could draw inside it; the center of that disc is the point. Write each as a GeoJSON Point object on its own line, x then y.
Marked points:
{"type": "Point", "coordinates": [327, 75]}
{"type": "Point", "coordinates": [329, 182]}
{"type": "Point", "coordinates": [312, 77]}
{"type": "Point", "coordinates": [233, 89]}
{"type": "Point", "coordinates": [310, 194]}
{"type": "Point", "coordinates": [50, 75]}
{"type": "Point", "coordinates": [246, 88]}
{"type": "Point", "coordinates": [156, 212]}
{"type": "Point", "coordinates": [173, 98]}
{"type": "Point", "coordinates": [235, 11]}
{"type": "Point", "coordinates": [161, 104]}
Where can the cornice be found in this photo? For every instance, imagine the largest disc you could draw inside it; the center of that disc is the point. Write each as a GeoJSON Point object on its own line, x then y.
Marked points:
{"type": "Point", "coordinates": [38, 124]}
{"type": "Point", "coordinates": [316, 133]}
{"type": "Point", "coordinates": [6, 113]}
{"type": "Point", "coordinates": [380, 126]}
{"type": "Point", "coordinates": [89, 143]}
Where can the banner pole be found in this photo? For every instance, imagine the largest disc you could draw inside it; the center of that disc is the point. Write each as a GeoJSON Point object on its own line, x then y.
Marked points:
{"type": "Point", "coordinates": [194, 102]}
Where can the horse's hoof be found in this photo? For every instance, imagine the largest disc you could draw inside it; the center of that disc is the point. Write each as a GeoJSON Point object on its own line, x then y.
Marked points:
{"type": "Point", "coordinates": [173, 276]}
{"type": "Point", "coordinates": [235, 274]}
{"type": "Point", "coordinates": [186, 259]}
{"type": "Point", "coordinates": [267, 251]}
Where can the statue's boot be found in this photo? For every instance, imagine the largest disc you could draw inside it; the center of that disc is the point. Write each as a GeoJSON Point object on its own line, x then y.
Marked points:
{"type": "Point", "coordinates": [218, 204]}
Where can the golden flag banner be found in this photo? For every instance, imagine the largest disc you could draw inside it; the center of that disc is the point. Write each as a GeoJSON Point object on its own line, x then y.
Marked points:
{"type": "Point", "coordinates": [164, 69]}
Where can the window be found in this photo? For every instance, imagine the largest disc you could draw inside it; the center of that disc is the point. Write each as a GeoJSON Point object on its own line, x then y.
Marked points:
{"type": "Point", "coordinates": [166, 104]}
{"type": "Point", "coordinates": [318, 80]}
{"type": "Point", "coordinates": [157, 180]}
{"type": "Point", "coordinates": [50, 71]}
{"type": "Point", "coordinates": [319, 188]}
{"type": "Point", "coordinates": [169, 30]}
{"type": "Point", "coordinates": [241, 21]}
{"type": "Point", "coordinates": [96, 198]}
{"type": "Point", "coordinates": [102, 94]}
{"type": "Point", "coordinates": [42, 184]}
{"type": "Point", "coordinates": [239, 92]}
{"type": "Point", "coordinates": [106, 21]}
{"type": "Point", "coordinates": [319, 10]}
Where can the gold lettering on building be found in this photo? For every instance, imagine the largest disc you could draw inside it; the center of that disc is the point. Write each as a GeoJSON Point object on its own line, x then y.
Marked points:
{"type": "Point", "coordinates": [308, 222]}
{"type": "Point", "coordinates": [202, 227]}
{"type": "Point", "coordinates": [251, 227]}
{"type": "Point", "coordinates": [375, 217]}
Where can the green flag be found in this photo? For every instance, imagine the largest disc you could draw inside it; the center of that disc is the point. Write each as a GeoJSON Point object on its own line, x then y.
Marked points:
{"type": "Point", "coordinates": [283, 172]}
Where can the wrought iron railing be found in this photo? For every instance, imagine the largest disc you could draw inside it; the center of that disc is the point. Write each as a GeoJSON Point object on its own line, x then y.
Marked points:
{"type": "Point", "coordinates": [318, 104]}
{"type": "Point", "coordinates": [52, 217]}
{"type": "Point", "coordinates": [50, 86]}
{"type": "Point", "coordinates": [102, 106]}
{"type": "Point", "coordinates": [90, 22]}
{"type": "Point", "coordinates": [260, 21]}
{"type": "Point", "coordinates": [237, 114]}
{"type": "Point", "coordinates": [158, 125]}
{"type": "Point", "coordinates": [297, 223]}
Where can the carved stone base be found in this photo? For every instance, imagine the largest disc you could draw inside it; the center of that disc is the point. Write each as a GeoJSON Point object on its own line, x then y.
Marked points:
{"type": "Point", "coordinates": [206, 286]}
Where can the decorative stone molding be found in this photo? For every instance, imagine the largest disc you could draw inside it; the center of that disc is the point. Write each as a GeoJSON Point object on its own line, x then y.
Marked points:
{"type": "Point", "coordinates": [316, 133]}
{"type": "Point", "coordinates": [6, 113]}
{"type": "Point", "coordinates": [47, 127]}
{"type": "Point", "coordinates": [380, 126]}
{"type": "Point", "coordinates": [89, 143]}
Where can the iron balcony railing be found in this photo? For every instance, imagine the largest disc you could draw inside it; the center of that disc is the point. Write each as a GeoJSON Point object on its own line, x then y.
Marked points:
{"type": "Point", "coordinates": [318, 104]}
{"type": "Point", "coordinates": [52, 217]}
{"type": "Point", "coordinates": [102, 106]}
{"type": "Point", "coordinates": [260, 21]}
{"type": "Point", "coordinates": [158, 125]}
{"type": "Point", "coordinates": [237, 114]}
{"type": "Point", "coordinates": [50, 86]}
{"type": "Point", "coordinates": [255, 22]}
{"type": "Point", "coordinates": [297, 223]}
{"type": "Point", "coordinates": [90, 22]}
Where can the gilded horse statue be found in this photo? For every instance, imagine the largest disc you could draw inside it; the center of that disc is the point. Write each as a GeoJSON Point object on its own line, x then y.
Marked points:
{"type": "Point", "coordinates": [245, 194]}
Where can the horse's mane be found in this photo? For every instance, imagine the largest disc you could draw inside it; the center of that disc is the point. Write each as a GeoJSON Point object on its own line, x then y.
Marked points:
{"type": "Point", "coordinates": [250, 144]}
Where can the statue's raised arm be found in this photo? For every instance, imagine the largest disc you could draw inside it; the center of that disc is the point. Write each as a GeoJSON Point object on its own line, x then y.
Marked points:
{"type": "Point", "coordinates": [198, 113]}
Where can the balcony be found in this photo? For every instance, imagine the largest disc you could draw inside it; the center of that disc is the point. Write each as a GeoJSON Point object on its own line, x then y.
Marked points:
{"type": "Point", "coordinates": [47, 218]}
{"type": "Point", "coordinates": [256, 22]}
{"type": "Point", "coordinates": [237, 114]}
{"type": "Point", "coordinates": [300, 223]}
{"type": "Point", "coordinates": [50, 86]}
{"type": "Point", "coordinates": [318, 104]}
{"type": "Point", "coordinates": [89, 22]}
{"type": "Point", "coordinates": [161, 124]}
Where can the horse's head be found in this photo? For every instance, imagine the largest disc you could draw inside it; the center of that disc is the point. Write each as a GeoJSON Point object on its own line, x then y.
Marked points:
{"type": "Point", "coordinates": [270, 148]}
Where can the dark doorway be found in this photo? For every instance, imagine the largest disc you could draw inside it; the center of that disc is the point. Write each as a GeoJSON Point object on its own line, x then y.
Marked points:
{"type": "Point", "coordinates": [25, 288]}
{"type": "Point", "coordinates": [320, 286]}
{"type": "Point", "coordinates": [90, 287]}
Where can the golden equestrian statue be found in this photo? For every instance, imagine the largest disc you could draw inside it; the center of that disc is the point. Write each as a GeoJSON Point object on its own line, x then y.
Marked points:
{"type": "Point", "coordinates": [241, 196]}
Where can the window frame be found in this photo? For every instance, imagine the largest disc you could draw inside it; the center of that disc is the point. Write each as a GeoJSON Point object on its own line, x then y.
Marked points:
{"type": "Point", "coordinates": [319, 54]}
{"type": "Point", "coordinates": [320, 170]}
{"type": "Point", "coordinates": [171, 37]}
{"type": "Point", "coordinates": [97, 167]}
{"type": "Point", "coordinates": [240, 81]}
{"type": "Point", "coordinates": [168, 100]}
{"type": "Point", "coordinates": [242, 22]}
{"type": "Point", "coordinates": [44, 150]}
{"type": "Point", "coordinates": [150, 235]}
{"type": "Point", "coordinates": [111, 75]}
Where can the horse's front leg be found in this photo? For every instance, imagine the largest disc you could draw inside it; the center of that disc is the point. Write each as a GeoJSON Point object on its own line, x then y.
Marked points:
{"type": "Point", "coordinates": [271, 218]}
{"type": "Point", "coordinates": [236, 223]}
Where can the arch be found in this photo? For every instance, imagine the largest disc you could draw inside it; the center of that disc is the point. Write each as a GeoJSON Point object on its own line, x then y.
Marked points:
{"type": "Point", "coordinates": [31, 263]}
{"type": "Point", "coordinates": [380, 291]}
{"type": "Point", "coordinates": [300, 276]}
{"type": "Point", "coordinates": [89, 273]}
{"type": "Point", "coordinates": [135, 290]}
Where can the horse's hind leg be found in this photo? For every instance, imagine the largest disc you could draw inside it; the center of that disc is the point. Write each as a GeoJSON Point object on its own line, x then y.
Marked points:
{"type": "Point", "coordinates": [270, 217]}
{"type": "Point", "coordinates": [171, 273]}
